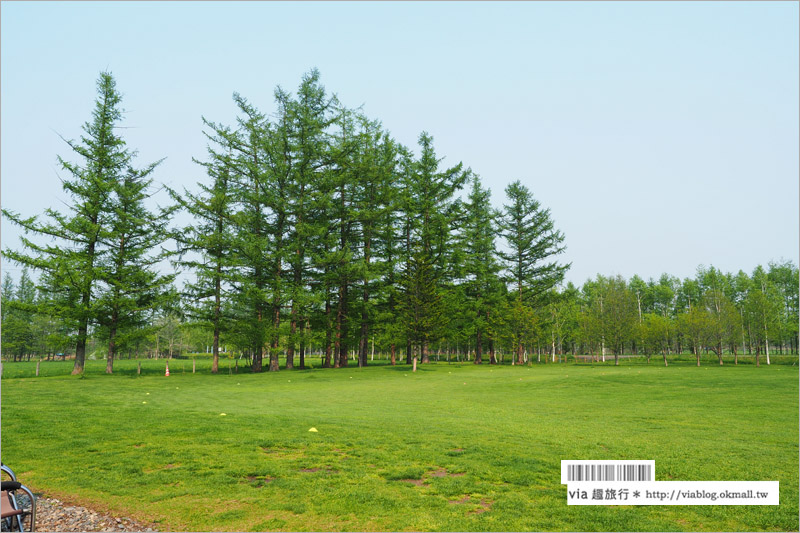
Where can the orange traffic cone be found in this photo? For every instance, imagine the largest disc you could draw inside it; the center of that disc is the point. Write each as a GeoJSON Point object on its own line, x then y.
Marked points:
{"type": "Point", "coordinates": [167, 372]}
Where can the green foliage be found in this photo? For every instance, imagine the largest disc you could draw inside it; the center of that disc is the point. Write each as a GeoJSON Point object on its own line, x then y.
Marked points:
{"type": "Point", "coordinates": [533, 241]}
{"type": "Point", "coordinates": [516, 324]}
{"type": "Point", "coordinates": [657, 333]}
{"type": "Point", "coordinates": [479, 268]}
{"type": "Point", "coordinates": [428, 211]}
{"type": "Point", "coordinates": [133, 290]}
{"type": "Point", "coordinates": [421, 309]}
{"type": "Point", "coordinates": [206, 241]}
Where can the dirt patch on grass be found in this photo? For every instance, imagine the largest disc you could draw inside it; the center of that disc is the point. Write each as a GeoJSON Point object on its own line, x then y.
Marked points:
{"type": "Point", "coordinates": [484, 505]}
{"type": "Point", "coordinates": [310, 469]}
{"type": "Point", "coordinates": [417, 482]}
{"type": "Point", "coordinates": [258, 481]}
{"type": "Point", "coordinates": [442, 472]}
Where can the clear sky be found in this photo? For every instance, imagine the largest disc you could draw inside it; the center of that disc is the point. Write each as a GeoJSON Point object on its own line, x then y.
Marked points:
{"type": "Point", "coordinates": [662, 135]}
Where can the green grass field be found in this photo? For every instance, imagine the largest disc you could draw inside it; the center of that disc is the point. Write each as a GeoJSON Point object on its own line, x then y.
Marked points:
{"type": "Point", "coordinates": [450, 447]}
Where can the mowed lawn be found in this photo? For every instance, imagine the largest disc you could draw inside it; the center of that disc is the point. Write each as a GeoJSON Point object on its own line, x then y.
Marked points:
{"type": "Point", "coordinates": [450, 447]}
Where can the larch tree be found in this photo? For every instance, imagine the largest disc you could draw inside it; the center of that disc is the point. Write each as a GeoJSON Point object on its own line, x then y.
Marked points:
{"type": "Point", "coordinates": [307, 157]}
{"type": "Point", "coordinates": [373, 203]}
{"type": "Point", "coordinates": [70, 261]}
{"type": "Point", "coordinates": [203, 246]}
{"type": "Point", "coordinates": [430, 216]}
{"type": "Point", "coordinates": [341, 243]}
{"type": "Point", "coordinates": [533, 242]}
{"type": "Point", "coordinates": [260, 163]}
{"type": "Point", "coordinates": [483, 287]}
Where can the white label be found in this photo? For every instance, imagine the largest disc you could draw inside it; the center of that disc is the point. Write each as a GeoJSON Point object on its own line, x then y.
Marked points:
{"type": "Point", "coordinates": [589, 471]}
{"type": "Point", "coordinates": [673, 493]}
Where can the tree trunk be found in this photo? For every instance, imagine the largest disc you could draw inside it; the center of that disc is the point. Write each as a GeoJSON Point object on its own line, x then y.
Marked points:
{"type": "Point", "coordinates": [274, 365]}
{"type": "Point", "coordinates": [112, 348]}
{"type": "Point", "coordinates": [363, 342]}
{"type": "Point", "coordinates": [303, 346]}
{"type": "Point", "coordinates": [393, 359]}
{"type": "Point", "coordinates": [258, 351]}
{"type": "Point", "coordinates": [215, 349]}
{"type": "Point", "coordinates": [80, 348]}
{"type": "Point", "coordinates": [326, 363]}
{"type": "Point", "coordinates": [274, 361]}
{"type": "Point", "coordinates": [478, 348]}
{"type": "Point", "coordinates": [425, 358]}
{"type": "Point", "coordinates": [258, 355]}
{"type": "Point", "coordinates": [292, 337]}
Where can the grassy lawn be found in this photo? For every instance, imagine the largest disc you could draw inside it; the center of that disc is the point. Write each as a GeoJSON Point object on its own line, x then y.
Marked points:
{"type": "Point", "coordinates": [450, 447]}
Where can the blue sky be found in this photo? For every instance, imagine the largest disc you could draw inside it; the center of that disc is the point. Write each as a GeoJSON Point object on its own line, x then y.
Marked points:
{"type": "Point", "coordinates": [662, 135]}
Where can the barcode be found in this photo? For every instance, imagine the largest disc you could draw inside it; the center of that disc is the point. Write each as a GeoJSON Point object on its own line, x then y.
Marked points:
{"type": "Point", "coordinates": [607, 471]}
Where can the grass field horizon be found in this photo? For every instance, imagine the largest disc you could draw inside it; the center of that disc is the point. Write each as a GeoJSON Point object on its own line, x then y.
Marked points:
{"type": "Point", "coordinates": [453, 447]}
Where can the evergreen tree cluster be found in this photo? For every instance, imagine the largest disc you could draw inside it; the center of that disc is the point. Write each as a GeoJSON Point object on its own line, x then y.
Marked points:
{"type": "Point", "coordinates": [317, 230]}
{"type": "Point", "coordinates": [314, 233]}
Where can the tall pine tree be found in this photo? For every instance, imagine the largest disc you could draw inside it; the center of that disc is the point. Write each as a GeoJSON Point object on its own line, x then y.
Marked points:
{"type": "Point", "coordinates": [430, 214]}
{"type": "Point", "coordinates": [207, 240]}
{"type": "Point", "coordinates": [70, 261]}
{"type": "Point", "coordinates": [481, 268]}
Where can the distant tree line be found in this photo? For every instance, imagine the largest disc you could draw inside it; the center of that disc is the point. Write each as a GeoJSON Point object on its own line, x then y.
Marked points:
{"type": "Point", "coordinates": [316, 233]}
